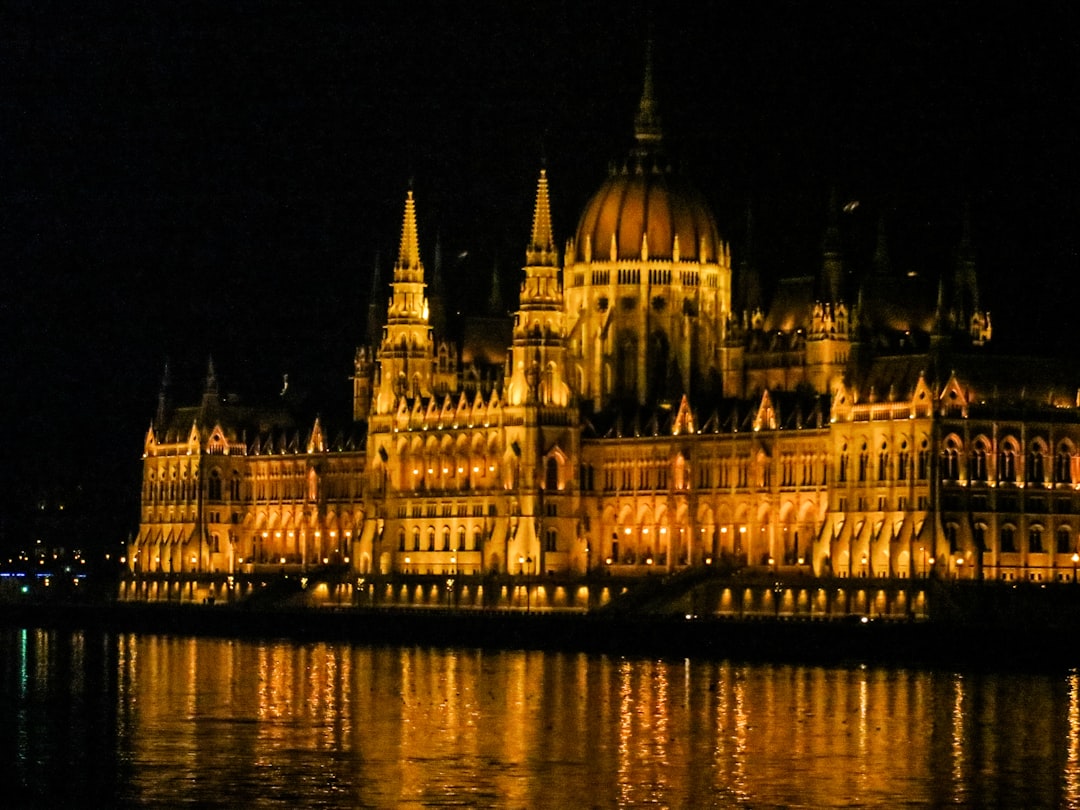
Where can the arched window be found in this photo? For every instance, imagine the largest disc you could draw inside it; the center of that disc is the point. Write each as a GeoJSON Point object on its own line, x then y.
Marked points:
{"type": "Point", "coordinates": [477, 539]}
{"type": "Point", "coordinates": [1063, 466]}
{"type": "Point", "coordinates": [883, 463]}
{"type": "Point", "coordinates": [1007, 465]}
{"type": "Point", "coordinates": [1035, 473]}
{"type": "Point", "coordinates": [977, 468]}
{"type": "Point", "coordinates": [1035, 540]}
{"type": "Point", "coordinates": [922, 471]}
{"type": "Point", "coordinates": [902, 460]}
{"type": "Point", "coordinates": [1008, 539]}
{"type": "Point", "coordinates": [461, 538]}
{"type": "Point", "coordinates": [401, 539]}
{"type": "Point", "coordinates": [431, 538]}
{"type": "Point", "coordinates": [979, 535]}
{"type": "Point", "coordinates": [841, 468]}
{"type": "Point", "coordinates": [950, 461]}
{"type": "Point", "coordinates": [416, 539]}
{"type": "Point", "coordinates": [1064, 541]}
{"type": "Point", "coordinates": [214, 490]}
{"type": "Point", "coordinates": [551, 540]}
{"type": "Point", "coordinates": [446, 538]}
{"type": "Point", "coordinates": [551, 473]}
{"type": "Point", "coordinates": [864, 461]}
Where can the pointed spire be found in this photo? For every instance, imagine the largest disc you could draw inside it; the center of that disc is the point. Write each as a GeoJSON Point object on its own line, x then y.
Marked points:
{"type": "Point", "coordinates": [163, 396]}
{"type": "Point", "coordinates": [211, 377]}
{"type": "Point", "coordinates": [436, 270]}
{"type": "Point", "coordinates": [408, 262]}
{"type": "Point", "coordinates": [647, 129]}
{"type": "Point", "coordinates": [541, 249]}
{"type": "Point", "coordinates": [881, 250]}
{"type": "Point", "coordinates": [495, 302]}
{"type": "Point", "coordinates": [831, 262]}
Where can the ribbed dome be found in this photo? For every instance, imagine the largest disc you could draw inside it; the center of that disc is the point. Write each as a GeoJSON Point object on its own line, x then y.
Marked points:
{"type": "Point", "coordinates": [633, 203]}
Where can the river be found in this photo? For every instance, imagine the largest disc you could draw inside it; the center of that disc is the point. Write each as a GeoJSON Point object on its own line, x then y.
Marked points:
{"type": "Point", "coordinates": [97, 719]}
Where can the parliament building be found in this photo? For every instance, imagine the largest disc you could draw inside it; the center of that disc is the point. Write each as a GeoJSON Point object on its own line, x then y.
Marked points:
{"type": "Point", "coordinates": [649, 411]}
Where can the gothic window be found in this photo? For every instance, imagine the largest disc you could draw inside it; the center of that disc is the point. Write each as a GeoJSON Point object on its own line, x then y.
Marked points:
{"type": "Point", "coordinates": [446, 538]}
{"type": "Point", "coordinates": [883, 463]}
{"type": "Point", "coordinates": [551, 540]}
{"type": "Point", "coordinates": [977, 467]}
{"type": "Point", "coordinates": [1063, 466]}
{"type": "Point", "coordinates": [950, 461]}
{"type": "Point", "coordinates": [864, 462]}
{"type": "Point", "coordinates": [477, 539]}
{"type": "Point", "coordinates": [401, 539]}
{"type": "Point", "coordinates": [461, 538]}
{"type": "Point", "coordinates": [416, 539]}
{"type": "Point", "coordinates": [923, 461]}
{"type": "Point", "coordinates": [1035, 466]}
{"type": "Point", "coordinates": [1007, 465]}
{"type": "Point", "coordinates": [551, 473]}
{"type": "Point", "coordinates": [902, 460]}
{"type": "Point", "coordinates": [215, 486]}
{"type": "Point", "coordinates": [841, 471]}
{"type": "Point", "coordinates": [431, 538]}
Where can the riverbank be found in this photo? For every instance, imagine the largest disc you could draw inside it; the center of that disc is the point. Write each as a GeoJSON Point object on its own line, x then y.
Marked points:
{"type": "Point", "coordinates": [846, 641]}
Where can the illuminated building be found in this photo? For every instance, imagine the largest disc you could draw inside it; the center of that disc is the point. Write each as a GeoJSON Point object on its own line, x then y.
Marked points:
{"type": "Point", "coordinates": [645, 417]}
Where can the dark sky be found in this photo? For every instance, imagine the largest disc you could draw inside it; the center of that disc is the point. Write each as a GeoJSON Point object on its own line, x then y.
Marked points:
{"type": "Point", "coordinates": [188, 179]}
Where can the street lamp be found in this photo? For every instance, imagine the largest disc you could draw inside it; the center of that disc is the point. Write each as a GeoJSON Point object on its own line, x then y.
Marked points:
{"type": "Point", "coordinates": [1075, 560]}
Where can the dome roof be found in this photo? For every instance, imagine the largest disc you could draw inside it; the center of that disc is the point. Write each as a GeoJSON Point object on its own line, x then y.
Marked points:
{"type": "Point", "coordinates": [638, 202]}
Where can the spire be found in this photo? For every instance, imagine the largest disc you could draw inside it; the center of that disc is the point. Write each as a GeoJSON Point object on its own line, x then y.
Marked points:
{"type": "Point", "coordinates": [408, 263]}
{"type": "Point", "coordinates": [495, 302]}
{"type": "Point", "coordinates": [541, 249]}
{"type": "Point", "coordinates": [881, 250]}
{"type": "Point", "coordinates": [831, 263]}
{"type": "Point", "coordinates": [210, 390]}
{"type": "Point", "coordinates": [163, 396]}
{"type": "Point", "coordinates": [376, 308]}
{"type": "Point", "coordinates": [647, 129]}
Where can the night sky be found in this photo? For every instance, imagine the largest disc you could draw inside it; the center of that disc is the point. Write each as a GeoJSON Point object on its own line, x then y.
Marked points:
{"type": "Point", "coordinates": [194, 179]}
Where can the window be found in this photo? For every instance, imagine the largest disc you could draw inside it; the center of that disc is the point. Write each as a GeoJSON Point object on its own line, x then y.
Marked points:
{"type": "Point", "coordinates": [551, 540]}
{"type": "Point", "coordinates": [401, 539]}
{"type": "Point", "coordinates": [477, 539]}
{"type": "Point", "coordinates": [416, 539]}
{"type": "Point", "coordinates": [446, 538]}
{"type": "Point", "coordinates": [551, 474]}
{"type": "Point", "coordinates": [214, 493]}
{"type": "Point", "coordinates": [1008, 539]}
{"type": "Point", "coordinates": [1035, 542]}
{"type": "Point", "coordinates": [461, 538]}
{"type": "Point", "coordinates": [1064, 544]}
{"type": "Point", "coordinates": [1063, 466]}
{"type": "Point", "coordinates": [1007, 465]}
{"type": "Point", "coordinates": [431, 539]}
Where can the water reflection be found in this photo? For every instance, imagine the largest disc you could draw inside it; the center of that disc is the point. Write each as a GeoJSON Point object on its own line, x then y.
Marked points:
{"type": "Point", "coordinates": [158, 721]}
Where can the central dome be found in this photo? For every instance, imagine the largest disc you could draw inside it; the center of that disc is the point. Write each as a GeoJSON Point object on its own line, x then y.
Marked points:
{"type": "Point", "coordinates": [659, 205]}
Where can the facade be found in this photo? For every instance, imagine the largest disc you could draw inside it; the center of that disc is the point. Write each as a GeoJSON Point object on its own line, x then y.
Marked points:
{"type": "Point", "coordinates": [647, 415]}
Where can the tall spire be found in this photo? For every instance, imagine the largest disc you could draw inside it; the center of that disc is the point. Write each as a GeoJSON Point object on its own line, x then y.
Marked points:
{"type": "Point", "coordinates": [495, 302]}
{"type": "Point", "coordinates": [408, 264]}
{"type": "Point", "coordinates": [647, 130]}
{"type": "Point", "coordinates": [831, 261]}
{"type": "Point", "coordinates": [163, 396]}
{"type": "Point", "coordinates": [881, 250]}
{"type": "Point", "coordinates": [541, 251]}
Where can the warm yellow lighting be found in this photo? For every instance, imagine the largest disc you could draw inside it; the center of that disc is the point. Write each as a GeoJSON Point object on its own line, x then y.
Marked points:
{"type": "Point", "coordinates": [282, 560]}
{"type": "Point", "coordinates": [648, 560]}
{"type": "Point", "coordinates": [608, 561]}
{"type": "Point", "coordinates": [626, 530]}
{"type": "Point", "coordinates": [708, 560]}
{"type": "Point", "coordinates": [194, 559]}
{"type": "Point", "coordinates": [407, 560]}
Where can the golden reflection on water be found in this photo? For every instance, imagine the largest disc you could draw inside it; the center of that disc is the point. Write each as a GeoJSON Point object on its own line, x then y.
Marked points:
{"type": "Point", "coordinates": [237, 723]}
